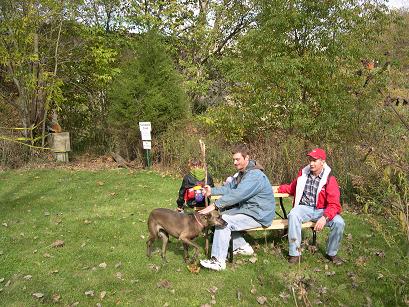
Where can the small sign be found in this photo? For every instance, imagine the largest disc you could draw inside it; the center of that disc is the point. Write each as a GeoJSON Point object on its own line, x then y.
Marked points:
{"type": "Point", "coordinates": [147, 144]}
{"type": "Point", "coordinates": [145, 128]}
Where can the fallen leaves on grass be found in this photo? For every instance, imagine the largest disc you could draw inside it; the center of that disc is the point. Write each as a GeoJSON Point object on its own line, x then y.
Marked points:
{"type": "Point", "coordinates": [27, 277]}
{"type": "Point", "coordinates": [322, 290]}
{"type": "Point", "coordinates": [253, 259]}
{"type": "Point", "coordinates": [56, 297]}
{"type": "Point", "coordinates": [153, 267]}
{"type": "Point", "coordinates": [100, 183]}
{"type": "Point", "coordinates": [380, 254]}
{"type": "Point", "coordinates": [369, 301]}
{"type": "Point", "coordinates": [352, 276]}
{"type": "Point", "coordinates": [406, 300]}
{"type": "Point", "coordinates": [361, 261]}
{"type": "Point", "coordinates": [119, 275]}
{"type": "Point", "coordinates": [38, 295]}
{"type": "Point", "coordinates": [312, 249]}
{"type": "Point", "coordinates": [102, 295]}
{"type": "Point", "coordinates": [57, 243]}
{"type": "Point", "coordinates": [284, 296]}
{"type": "Point", "coordinates": [193, 268]}
{"type": "Point", "coordinates": [89, 293]}
{"type": "Point", "coordinates": [164, 283]}
{"type": "Point", "coordinates": [238, 295]}
{"type": "Point", "coordinates": [102, 265]}
{"type": "Point", "coordinates": [261, 300]}
{"type": "Point", "coordinates": [213, 300]}
{"type": "Point", "coordinates": [253, 290]}
{"type": "Point", "coordinates": [212, 290]}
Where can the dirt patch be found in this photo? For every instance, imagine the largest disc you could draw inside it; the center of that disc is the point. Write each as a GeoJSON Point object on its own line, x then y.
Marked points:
{"type": "Point", "coordinates": [84, 162]}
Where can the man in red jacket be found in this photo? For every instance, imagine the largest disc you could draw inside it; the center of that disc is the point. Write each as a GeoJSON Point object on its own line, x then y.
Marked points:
{"type": "Point", "coordinates": [316, 198]}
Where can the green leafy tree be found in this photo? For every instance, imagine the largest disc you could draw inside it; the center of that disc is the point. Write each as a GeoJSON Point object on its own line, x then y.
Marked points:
{"type": "Point", "coordinates": [148, 89]}
{"type": "Point", "coordinates": [296, 70]}
{"type": "Point", "coordinates": [87, 75]}
{"type": "Point", "coordinates": [200, 33]}
{"type": "Point", "coordinates": [29, 60]}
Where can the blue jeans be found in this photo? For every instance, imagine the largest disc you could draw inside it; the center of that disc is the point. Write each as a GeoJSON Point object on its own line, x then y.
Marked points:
{"type": "Point", "coordinates": [221, 238]}
{"type": "Point", "coordinates": [300, 214]}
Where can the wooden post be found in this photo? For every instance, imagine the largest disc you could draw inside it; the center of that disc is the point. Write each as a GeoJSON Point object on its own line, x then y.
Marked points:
{"type": "Point", "coordinates": [60, 144]}
{"type": "Point", "coordinates": [203, 150]}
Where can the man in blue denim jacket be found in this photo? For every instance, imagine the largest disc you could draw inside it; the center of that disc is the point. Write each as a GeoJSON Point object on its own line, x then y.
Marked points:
{"type": "Point", "coordinates": [247, 202]}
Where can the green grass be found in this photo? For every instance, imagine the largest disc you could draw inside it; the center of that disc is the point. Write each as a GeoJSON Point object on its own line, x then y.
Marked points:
{"type": "Point", "coordinates": [101, 217]}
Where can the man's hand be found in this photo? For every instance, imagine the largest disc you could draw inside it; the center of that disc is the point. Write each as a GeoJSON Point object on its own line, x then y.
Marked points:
{"type": "Point", "coordinates": [207, 190]}
{"type": "Point", "coordinates": [319, 225]}
{"type": "Point", "coordinates": [207, 210]}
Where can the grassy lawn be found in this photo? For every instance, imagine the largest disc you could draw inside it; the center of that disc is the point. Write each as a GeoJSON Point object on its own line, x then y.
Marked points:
{"type": "Point", "coordinates": [101, 217]}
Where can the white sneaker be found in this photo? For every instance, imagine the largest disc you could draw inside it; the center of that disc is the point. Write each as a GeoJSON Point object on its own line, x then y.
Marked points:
{"type": "Point", "coordinates": [213, 264]}
{"type": "Point", "coordinates": [246, 250]}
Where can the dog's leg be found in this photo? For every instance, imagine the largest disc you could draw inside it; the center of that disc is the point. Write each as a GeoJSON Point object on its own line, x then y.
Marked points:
{"type": "Point", "coordinates": [149, 245]}
{"type": "Point", "coordinates": [186, 252]}
{"type": "Point", "coordinates": [165, 239]}
{"type": "Point", "coordinates": [189, 242]}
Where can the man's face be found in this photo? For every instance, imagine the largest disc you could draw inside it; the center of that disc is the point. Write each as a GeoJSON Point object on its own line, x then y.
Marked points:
{"type": "Point", "coordinates": [316, 165]}
{"type": "Point", "coordinates": [240, 162]}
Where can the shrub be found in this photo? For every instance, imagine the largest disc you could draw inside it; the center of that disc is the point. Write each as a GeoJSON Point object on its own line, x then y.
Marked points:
{"type": "Point", "coordinates": [148, 89]}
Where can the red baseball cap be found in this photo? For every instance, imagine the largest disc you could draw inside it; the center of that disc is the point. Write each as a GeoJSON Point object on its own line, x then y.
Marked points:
{"type": "Point", "coordinates": [318, 153]}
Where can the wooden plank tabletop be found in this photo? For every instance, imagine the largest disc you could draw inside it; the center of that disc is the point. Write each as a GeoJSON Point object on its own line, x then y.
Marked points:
{"type": "Point", "coordinates": [275, 189]}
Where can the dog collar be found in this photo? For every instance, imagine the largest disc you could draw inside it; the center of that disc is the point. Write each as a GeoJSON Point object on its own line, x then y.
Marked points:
{"type": "Point", "coordinates": [197, 220]}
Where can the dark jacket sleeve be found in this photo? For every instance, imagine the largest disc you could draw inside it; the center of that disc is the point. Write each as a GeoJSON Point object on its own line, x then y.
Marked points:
{"type": "Point", "coordinates": [180, 201]}
{"type": "Point", "coordinates": [210, 180]}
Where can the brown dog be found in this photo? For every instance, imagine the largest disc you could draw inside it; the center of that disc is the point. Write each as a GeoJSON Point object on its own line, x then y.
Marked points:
{"type": "Point", "coordinates": [185, 227]}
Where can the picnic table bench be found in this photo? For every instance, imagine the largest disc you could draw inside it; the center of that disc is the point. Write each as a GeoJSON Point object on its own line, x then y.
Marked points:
{"type": "Point", "coordinates": [277, 224]}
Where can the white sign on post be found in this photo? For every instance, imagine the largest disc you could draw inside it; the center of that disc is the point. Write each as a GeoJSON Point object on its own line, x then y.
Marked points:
{"type": "Point", "coordinates": [145, 128]}
{"type": "Point", "coordinates": [147, 144]}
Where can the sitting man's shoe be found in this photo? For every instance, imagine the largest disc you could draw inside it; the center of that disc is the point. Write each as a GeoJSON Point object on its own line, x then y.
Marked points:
{"type": "Point", "coordinates": [213, 264]}
{"type": "Point", "coordinates": [335, 259]}
{"type": "Point", "coordinates": [294, 259]}
{"type": "Point", "coordinates": [246, 250]}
